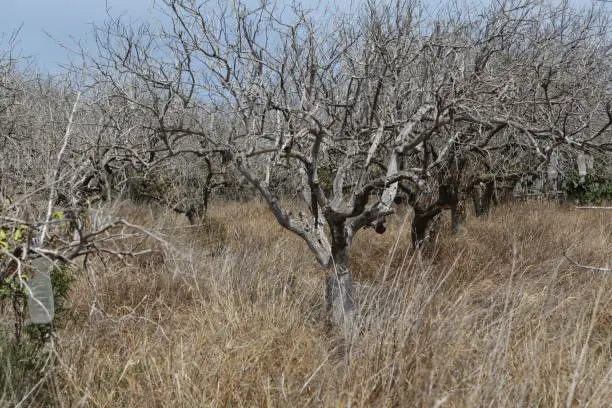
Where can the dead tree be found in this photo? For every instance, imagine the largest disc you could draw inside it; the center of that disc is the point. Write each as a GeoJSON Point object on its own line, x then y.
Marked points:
{"type": "Point", "coordinates": [380, 101]}
{"type": "Point", "coordinates": [47, 180]}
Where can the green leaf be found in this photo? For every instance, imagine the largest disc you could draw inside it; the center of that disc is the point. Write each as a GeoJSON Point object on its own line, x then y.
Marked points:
{"type": "Point", "coordinates": [58, 215]}
{"type": "Point", "coordinates": [20, 232]}
{"type": "Point", "coordinates": [3, 238]}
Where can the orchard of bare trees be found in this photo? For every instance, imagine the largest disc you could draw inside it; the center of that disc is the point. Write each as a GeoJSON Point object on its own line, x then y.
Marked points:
{"type": "Point", "coordinates": [336, 121]}
{"type": "Point", "coordinates": [348, 115]}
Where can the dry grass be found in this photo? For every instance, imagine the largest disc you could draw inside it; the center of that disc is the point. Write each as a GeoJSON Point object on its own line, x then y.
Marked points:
{"type": "Point", "coordinates": [233, 317]}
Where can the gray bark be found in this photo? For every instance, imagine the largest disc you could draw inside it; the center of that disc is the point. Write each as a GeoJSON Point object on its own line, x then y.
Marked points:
{"type": "Point", "coordinates": [482, 196]}
{"type": "Point", "coordinates": [340, 295]}
{"type": "Point", "coordinates": [451, 196]}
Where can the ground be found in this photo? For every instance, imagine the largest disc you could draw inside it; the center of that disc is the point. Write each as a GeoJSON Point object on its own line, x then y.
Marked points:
{"type": "Point", "coordinates": [232, 315]}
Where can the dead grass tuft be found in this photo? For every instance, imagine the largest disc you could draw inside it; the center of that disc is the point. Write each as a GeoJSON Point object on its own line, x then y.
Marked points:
{"type": "Point", "coordinates": [232, 316]}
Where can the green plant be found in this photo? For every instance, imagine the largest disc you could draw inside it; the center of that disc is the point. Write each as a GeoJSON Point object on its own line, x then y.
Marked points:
{"type": "Point", "coordinates": [595, 189]}
{"type": "Point", "coordinates": [24, 365]}
{"type": "Point", "coordinates": [12, 277]}
{"type": "Point", "coordinates": [11, 285]}
{"type": "Point", "coordinates": [25, 359]}
{"type": "Point", "coordinates": [13, 290]}
{"type": "Point", "coordinates": [62, 278]}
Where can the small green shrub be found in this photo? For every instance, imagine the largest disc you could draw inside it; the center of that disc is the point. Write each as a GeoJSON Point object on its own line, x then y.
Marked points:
{"type": "Point", "coordinates": [12, 292]}
{"type": "Point", "coordinates": [62, 278]}
{"type": "Point", "coordinates": [23, 366]}
{"type": "Point", "coordinates": [26, 362]}
{"type": "Point", "coordinates": [597, 188]}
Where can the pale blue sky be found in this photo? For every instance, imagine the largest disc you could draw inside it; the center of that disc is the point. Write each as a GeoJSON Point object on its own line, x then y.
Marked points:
{"type": "Point", "coordinates": [70, 20]}
{"type": "Point", "coordinates": [65, 20]}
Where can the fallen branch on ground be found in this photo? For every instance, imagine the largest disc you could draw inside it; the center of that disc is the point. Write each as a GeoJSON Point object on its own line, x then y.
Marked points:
{"type": "Point", "coordinates": [592, 268]}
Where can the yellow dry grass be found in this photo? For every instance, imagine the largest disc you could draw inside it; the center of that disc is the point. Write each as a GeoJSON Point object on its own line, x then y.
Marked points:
{"type": "Point", "coordinates": [232, 316]}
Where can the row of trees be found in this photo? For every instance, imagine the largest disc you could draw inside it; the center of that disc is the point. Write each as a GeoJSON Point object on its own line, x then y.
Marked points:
{"type": "Point", "coordinates": [60, 160]}
{"type": "Point", "coordinates": [364, 106]}
{"type": "Point", "coordinates": [348, 113]}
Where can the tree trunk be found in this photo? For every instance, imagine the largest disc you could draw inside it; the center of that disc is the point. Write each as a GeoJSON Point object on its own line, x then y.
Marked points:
{"type": "Point", "coordinates": [482, 196]}
{"type": "Point", "coordinates": [456, 196]}
{"type": "Point", "coordinates": [458, 214]}
{"type": "Point", "coordinates": [197, 211]}
{"type": "Point", "coordinates": [193, 216]}
{"type": "Point", "coordinates": [451, 196]}
{"type": "Point", "coordinates": [423, 224]}
{"type": "Point", "coordinates": [339, 293]}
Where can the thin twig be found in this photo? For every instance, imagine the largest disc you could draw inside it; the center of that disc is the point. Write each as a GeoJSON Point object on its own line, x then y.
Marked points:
{"type": "Point", "coordinates": [313, 375]}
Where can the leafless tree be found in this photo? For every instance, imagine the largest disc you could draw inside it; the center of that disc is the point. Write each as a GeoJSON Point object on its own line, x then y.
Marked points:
{"type": "Point", "coordinates": [52, 141]}
{"type": "Point", "coordinates": [357, 108]}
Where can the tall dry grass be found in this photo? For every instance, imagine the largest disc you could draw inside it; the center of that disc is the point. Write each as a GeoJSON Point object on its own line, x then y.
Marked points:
{"type": "Point", "coordinates": [233, 316]}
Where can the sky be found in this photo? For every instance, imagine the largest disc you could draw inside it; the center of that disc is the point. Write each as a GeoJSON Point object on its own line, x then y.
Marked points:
{"type": "Point", "coordinates": [48, 27]}
{"type": "Point", "coordinates": [45, 25]}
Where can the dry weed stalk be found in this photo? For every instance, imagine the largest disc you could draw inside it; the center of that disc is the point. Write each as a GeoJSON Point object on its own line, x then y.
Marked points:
{"type": "Point", "coordinates": [498, 318]}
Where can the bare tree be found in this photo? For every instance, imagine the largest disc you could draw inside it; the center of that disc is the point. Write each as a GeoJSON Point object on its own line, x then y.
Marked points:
{"type": "Point", "coordinates": [357, 109]}
{"type": "Point", "coordinates": [50, 179]}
